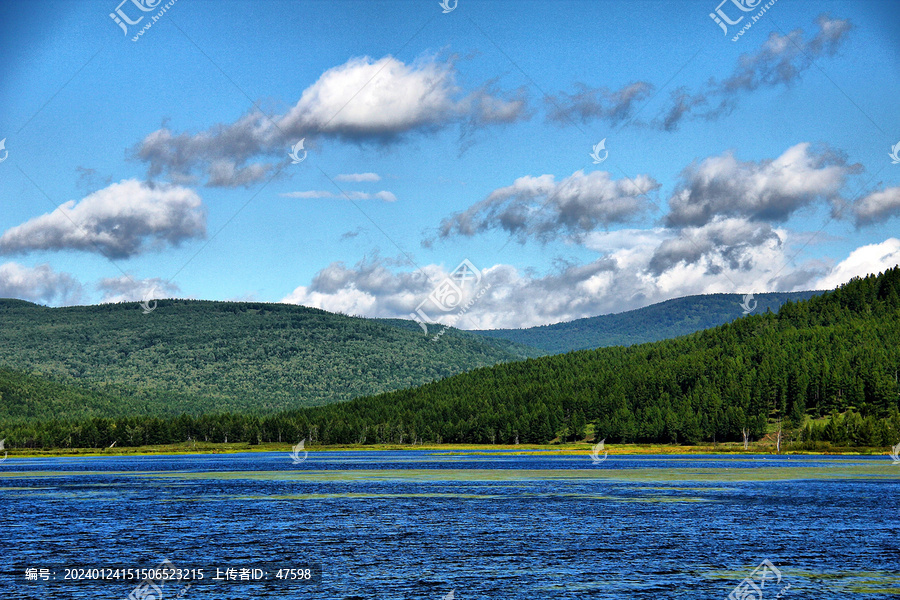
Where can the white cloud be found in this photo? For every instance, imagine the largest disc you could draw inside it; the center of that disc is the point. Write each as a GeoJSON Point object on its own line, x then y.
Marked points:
{"type": "Point", "coordinates": [369, 289]}
{"type": "Point", "coordinates": [724, 244]}
{"type": "Point", "coordinates": [352, 195]}
{"type": "Point", "coordinates": [768, 190]}
{"type": "Point", "coordinates": [310, 194]}
{"type": "Point", "coordinates": [363, 100]}
{"type": "Point", "coordinates": [874, 258]}
{"type": "Point", "coordinates": [622, 279]}
{"type": "Point", "coordinates": [386, 98]}
{"type": "Point", "coordinates": [126, 289]}
{"type": "Point", "coordinates": [877, 207]}
{"type": "Point", "coordinates": [119, 221]}
{"type": "Point", "coordinates": [358, 177]}
{"type": "Point", "coordinates": [544, 208]}
{"type": "Point", "coordinates": [40, 284]}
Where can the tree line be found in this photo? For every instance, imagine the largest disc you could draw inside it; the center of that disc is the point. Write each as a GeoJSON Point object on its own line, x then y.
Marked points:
{"type": "Point", "coordinates": [836, 355]}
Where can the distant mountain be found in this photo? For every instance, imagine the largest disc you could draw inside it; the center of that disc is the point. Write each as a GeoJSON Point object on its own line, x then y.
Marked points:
{"type": "Point", "coordinates": [823, 370]}
{"type": "Point", "coordinates": [669, 319]}
{"type": "Point", "coordinates": [199, 356]}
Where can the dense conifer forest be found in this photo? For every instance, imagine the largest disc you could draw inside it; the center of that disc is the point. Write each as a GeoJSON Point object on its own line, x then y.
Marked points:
{"type": "Point", "coordinates": [824, 369]}
{"type": "Point", "coordinates": [199, 356]}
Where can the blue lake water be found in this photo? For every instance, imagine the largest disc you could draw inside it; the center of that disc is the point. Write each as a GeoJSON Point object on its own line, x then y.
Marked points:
{"type": "Point", "coordinates": [419, 524]}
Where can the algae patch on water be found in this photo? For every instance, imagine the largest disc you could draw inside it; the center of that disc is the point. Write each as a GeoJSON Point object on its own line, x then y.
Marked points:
{"type": "Point", "coordinates": [643, 475]}
{"type": "Point", "coordinates": [364, 496]}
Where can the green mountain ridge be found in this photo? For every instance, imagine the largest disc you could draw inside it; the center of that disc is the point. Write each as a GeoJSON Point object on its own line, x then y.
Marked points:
{"type": "Point", "coordinates": [664, 320]}
{"type": "Point", "coordinates": [201, 356]}
{"type": "Point", "coordinates": [836, 355]}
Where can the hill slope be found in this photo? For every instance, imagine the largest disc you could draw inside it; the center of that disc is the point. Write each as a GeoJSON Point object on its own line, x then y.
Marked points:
{"type": "Point", "coordinates": [197, 356]}
{"type": "Point", "coordinates": [669, 319]}
{"type": "Point", "coordinates": [836, 352]}
{"type": "Point", "coordinates": [26, 397]}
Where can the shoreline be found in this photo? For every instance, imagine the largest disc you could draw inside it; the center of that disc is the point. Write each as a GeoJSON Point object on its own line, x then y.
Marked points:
{"type": "Point", "coordinates": [571, 449]}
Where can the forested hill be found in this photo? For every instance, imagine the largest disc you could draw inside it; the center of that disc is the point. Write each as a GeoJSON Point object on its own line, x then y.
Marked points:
{"type": "Point", "coordinates": [665, 320]}
{"type": "Point", "coordinates": [199, 356]}
{"type": "Point", "coordinates": [835, 355]}
{"type": "Point", "coordinates": [837, 352]}
{"type": "Point", "coordinates": [25, 397]}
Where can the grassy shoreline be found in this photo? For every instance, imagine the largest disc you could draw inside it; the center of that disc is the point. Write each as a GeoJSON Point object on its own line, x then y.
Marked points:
{"type": "Point", "coordinates": [582, 448]}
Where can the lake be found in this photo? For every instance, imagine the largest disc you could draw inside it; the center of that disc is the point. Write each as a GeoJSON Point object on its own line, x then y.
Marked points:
{"type": "Point", "coordinates": [423, 524]}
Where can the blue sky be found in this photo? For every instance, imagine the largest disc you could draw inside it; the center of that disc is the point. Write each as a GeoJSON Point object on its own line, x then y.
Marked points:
{"type": "Point", "coordinates": [159, 167]}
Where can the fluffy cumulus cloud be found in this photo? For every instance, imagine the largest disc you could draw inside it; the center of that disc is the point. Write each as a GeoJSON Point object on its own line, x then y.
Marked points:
{"type": "Point", "coordinates": [370, 288]}
{"type": "Point", "coordinates": [726, 232]}
{"type": "Point", "coordinates": [779, 62]}
{"type": "Point", "coordinates": [769, 190]}
{"type": "Point", "coordinates": [119, 221]}
{"type": "Point", "coordinates": [619, 280]}
{"type": "Point", "coordinates": [382, 101]}
{"type": "Point", "coordinates": [545, 209]}
{"type": "Point", "coordinates": [877, 207]}
{"type": "Point", "coordinates": [40, 284]}
{"type": "Point", "coordinates": [634, 268]}
{"type": "Point", "coordinates": [504, 297]}
{"type": "Point", "coordinates": [352, 195]}
{"type": "Point", "coordinates": [874, 258]}
{"type": "Point", "coordinates": [128, 289]}
{"type": "Point", "coordinates": [386, 99]}
{"type": "Point", "coordinates": [724, 245]}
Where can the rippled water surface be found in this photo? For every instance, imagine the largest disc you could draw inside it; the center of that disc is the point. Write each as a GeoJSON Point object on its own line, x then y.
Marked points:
{"type": "Point", "coordinates": [418, 524]}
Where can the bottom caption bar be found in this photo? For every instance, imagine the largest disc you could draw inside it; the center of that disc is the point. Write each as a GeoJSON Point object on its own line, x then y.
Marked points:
{"type": "Point", "coordinates": [150, 582]}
